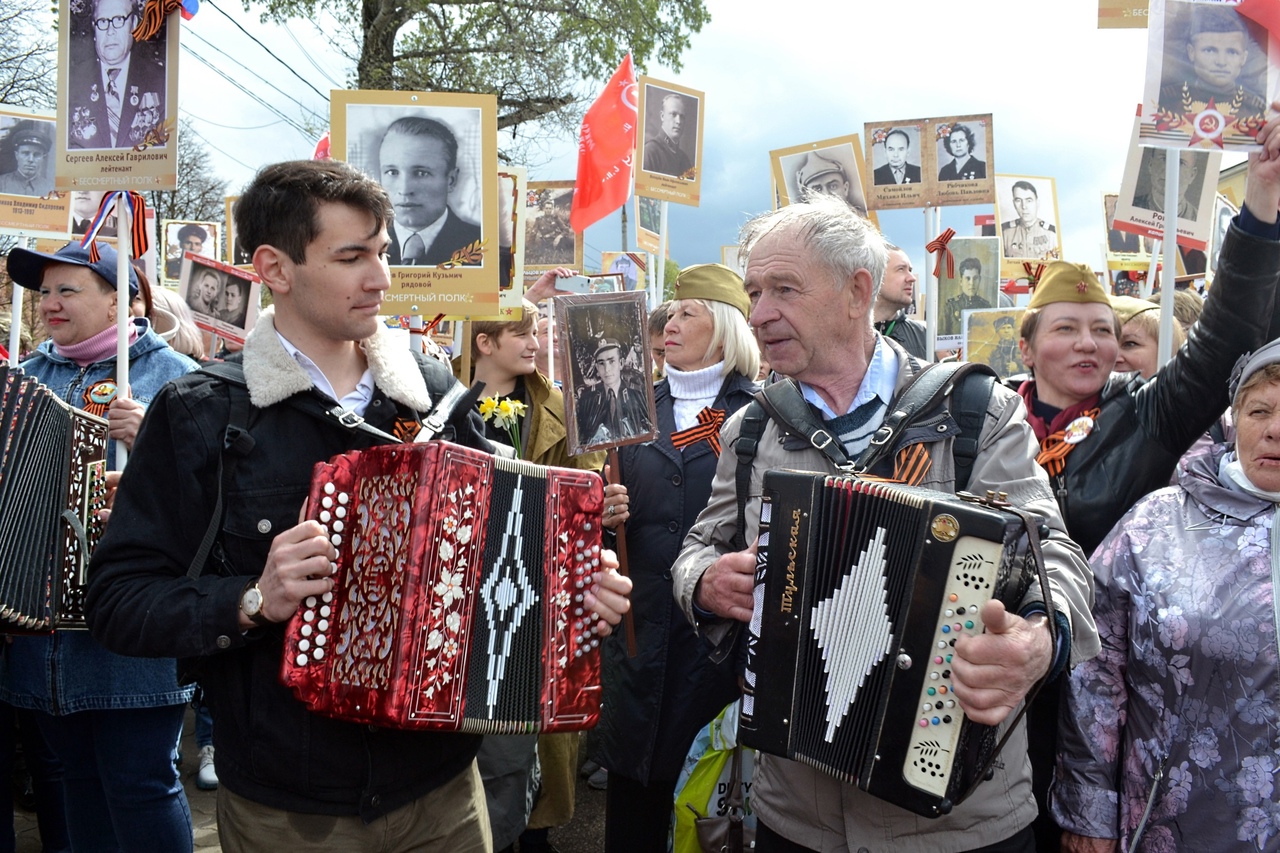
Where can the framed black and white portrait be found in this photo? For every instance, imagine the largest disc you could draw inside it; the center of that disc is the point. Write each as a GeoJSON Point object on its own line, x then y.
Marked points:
{"type": "Point", "coordinates": [670, 141]}
{"type": "Point", "coordinates": [223, 299]}
{"type": "Point", "coordinates": [550, 240]}
{"type": "Point", "coordinates": [436, 156]}
{"type": "Point", "coordinates": [606, 367]}
{"type": "Point", "coordinates": [832, 167]}
{"type": "Point", "coordinates": [182, 236]}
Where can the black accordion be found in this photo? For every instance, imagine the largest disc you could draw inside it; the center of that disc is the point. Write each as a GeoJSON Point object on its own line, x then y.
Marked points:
{"type": "Point", "coordinates": [52, 483]}
{"type": "Point", "coordinates": [862, 589]}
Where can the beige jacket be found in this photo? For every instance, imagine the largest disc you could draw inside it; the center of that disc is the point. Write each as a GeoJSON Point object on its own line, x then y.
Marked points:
{"type": "Point", "coordinates": [817, 810]}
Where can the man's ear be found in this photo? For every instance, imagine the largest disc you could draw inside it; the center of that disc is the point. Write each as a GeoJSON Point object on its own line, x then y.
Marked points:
{"type": "Point", "coordinates": [861, 286]}
{"type": "Point", "coordinates": [274, 267]}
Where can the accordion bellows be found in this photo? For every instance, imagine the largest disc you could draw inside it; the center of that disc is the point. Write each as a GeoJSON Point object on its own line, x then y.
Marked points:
{"type": "Point", "coordinates": [52, 483]}
{"type": "Point", "coordinates": [458, 603]}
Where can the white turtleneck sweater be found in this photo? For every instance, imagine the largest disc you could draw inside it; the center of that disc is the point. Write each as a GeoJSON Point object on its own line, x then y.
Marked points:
{"type": "Point", "coordinates": [693, 391]}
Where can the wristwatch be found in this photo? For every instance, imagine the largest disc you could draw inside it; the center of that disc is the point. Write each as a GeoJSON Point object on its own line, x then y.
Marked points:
{"type": "Point", "coordinates": [251, 605]}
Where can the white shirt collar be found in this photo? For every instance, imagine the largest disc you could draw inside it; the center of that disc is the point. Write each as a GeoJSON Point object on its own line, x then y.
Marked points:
{"type": "Point", "coordinates": [879, 381]}
{"type": "Point", "coordinates": [427, 234]}
{"type": "Point", "coordinates": [357, 401]}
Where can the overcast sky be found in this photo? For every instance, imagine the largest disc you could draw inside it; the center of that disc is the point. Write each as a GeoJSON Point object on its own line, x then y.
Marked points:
{"type": "Point", "coordinates": [1061, 91]}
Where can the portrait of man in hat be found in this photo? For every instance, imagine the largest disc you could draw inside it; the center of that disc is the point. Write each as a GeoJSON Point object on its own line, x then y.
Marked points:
{"type": "Point", "coordinates": [1005, 359]}
{"type": "Point", "coordinates": [117, 89]}
{"type": "Point", "coordinates": [896, 169]}
{"type": "Point", "coordinates": [1209, 65]}
{"type": "Point", "coordinates": [670, 150]}
{"type": "Point", "coordinates": [827, 171]}
{"type": "Point", "coordinates": [615, 407]}
{"type": "Point", "coordinates": [24, 157]}
{"type": "Point", "coordinates": [960, 142]}
{"type": "Point", "coordinates": [192, 237]}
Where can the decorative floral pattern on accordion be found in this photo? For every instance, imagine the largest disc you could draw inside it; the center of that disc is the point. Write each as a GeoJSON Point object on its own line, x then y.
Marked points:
{"type": "Point", "coordinates": [459, 593]}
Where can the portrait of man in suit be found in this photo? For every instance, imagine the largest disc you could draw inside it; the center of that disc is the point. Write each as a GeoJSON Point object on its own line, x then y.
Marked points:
{"type": "Point", "coordinates": [418, 167]}
{"type": "Point", "coordinates": [896, 170]}
{"type": "Point", "coordinates": [84, 206]}
{"type": "Point", "coordinates": [116, 91]}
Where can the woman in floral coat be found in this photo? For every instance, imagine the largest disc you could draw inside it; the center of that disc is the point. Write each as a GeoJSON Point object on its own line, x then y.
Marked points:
{"type": "Point", "coordinates": [1171, 736]}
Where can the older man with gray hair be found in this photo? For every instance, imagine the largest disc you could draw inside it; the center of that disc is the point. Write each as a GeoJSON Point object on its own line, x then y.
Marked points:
{"type": "Point", "coordinates": [812, 273]}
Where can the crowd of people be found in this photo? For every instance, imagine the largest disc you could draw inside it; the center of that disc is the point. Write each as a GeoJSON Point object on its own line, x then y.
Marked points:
{"type": "Point", "coordinates": [1151, 652]}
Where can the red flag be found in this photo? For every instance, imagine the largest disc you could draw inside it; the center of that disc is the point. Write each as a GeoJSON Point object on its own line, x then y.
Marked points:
{"type": "Point", "coordinates": [1264, 12]}
{"type": "Point", "coordinates": [322, 148]}
{"type": "Point", "coordinates": [606, 149]}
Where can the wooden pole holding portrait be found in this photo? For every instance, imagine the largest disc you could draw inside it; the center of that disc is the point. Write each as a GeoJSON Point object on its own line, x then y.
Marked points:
{"type": "Point", "coordinates": [1164, 347]}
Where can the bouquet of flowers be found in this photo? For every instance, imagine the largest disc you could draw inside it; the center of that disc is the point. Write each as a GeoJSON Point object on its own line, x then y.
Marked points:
{"type": "Point", "coordinates": [505, 414]}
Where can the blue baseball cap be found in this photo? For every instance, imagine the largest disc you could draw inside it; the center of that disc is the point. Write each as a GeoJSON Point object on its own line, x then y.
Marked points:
{"type": "Point", "coordinates": [27, 267]}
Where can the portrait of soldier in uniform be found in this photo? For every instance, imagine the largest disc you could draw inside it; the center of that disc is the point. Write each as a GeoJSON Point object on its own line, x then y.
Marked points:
{"type": "Point", "coordinates": [1027, 236]}
{"type": "Point", "coordinates": [1208, 66]}
{"type": "Point", "coordinates": [1191, 168]}
{"type": "Point", "coordinates": [969, 280]}
{"type": "Point", "coordinates": [667, 151]}
{"type": "Point", "coordinates": [24, 159]}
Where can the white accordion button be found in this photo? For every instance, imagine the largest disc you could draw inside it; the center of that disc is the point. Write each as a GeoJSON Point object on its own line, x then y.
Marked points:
{"type": "Point", "coordinates": [323, 625]}
{"type": "Point", "coordinates": [311, 601]}
{"type": "Point", "coordinates": [337, 527]}
{"type": "Point", "coordinates": [306, 630]}
{"type": "Point", "coordinates": [340, 512]}
{"type": "Point", "coordinates": [329, 488]}
{"type": "Point", "coordinates": [318, 654]}
{"type": "Point", "coordinates": [336, 540]}
{"type": "Point", "coordinates": [320, 639]}
{"type": "Point", "coordinates": [324, 516]}
{"type": "Point", "coordinates": [303, 645]}
{"type": "Point", "coordinates": [580, 544]}
{"type": "Point", "coordinates": [343, 497]}
{"type": "Point", "coordinates": [301, 660]}
{"type": "Point", "coordinates": [328, 596]}
{"type": "Point", "coordinates": [586, 525]}
{"type": "Point", "coordinates": [325, 611]}
{"type": "Point", "coordinates": [308, 616]}
{"type": "Point", "coordinates": [327, 502]}
{"type": "Point", "coordinates": [595, 549]}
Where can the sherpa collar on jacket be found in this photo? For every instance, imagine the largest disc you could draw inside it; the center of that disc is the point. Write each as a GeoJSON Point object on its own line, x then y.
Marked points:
{"type": "Point", "coordinates": [273, 376]}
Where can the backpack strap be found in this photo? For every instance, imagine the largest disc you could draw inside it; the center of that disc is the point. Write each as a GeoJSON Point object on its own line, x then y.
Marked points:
{"type": "Point", "coordinates": [925, 391]}
{"type": "Point", "coordinates": [748, 443]}
{"type": "Point", "coordinates": [970, 409]}
{"type": "Point", "coordinates": [786, 404]}
{"type": "Point", "coordinates": [236, 443]}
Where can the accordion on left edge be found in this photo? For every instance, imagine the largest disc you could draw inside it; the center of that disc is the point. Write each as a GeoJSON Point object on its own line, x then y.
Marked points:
{"type": "Point", "coordinates": [458, 603]}
{"type": "Point", "coordinates": [52, 483]}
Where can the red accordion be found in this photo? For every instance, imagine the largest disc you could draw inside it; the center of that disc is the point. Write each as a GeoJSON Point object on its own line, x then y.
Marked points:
{"type": "Point", "coordinates": [458, 603]}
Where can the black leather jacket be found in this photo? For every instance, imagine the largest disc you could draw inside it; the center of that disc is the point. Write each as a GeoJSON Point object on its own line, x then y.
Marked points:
{"type": "Point", "coordinates": [1144, 426]}
{"type": "Point", "coordinates": [271, 749]}
{"type": "Point", "coordinates": [655, 702]}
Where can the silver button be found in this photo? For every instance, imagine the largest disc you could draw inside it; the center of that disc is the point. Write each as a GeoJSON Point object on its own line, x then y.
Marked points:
{"type": "Point", "coordinates": [223, 641]}
{"type": "Point", "coordinates": [264, 526]}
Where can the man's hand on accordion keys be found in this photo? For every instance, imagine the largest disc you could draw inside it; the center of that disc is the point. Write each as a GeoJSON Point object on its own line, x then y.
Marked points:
{"type": "Point", "coordinates": [993, 671]}
{"type": "Point", "coordinates": [726, 587]}
{"type": "Point", "coordinates": [300, 563]}
{"type": "Point", "coordinates": [610, 595]}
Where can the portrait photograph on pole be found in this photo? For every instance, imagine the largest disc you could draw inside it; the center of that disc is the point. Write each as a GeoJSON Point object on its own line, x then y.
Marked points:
{"type": "Point", "coordinates": [606, 367]}
{"type": "Point", "coordinates": [223, 298]}
{"type": "Point", "coordinates": [550, 240]}
{"type": "Point", "coordinates": [180, 237]}
{"type": "Point", "coordinates": [831, 167]}
{"type": "Point", "coordinates": [963, 161]}
{"type": "Point", "coordinates": [117, 99]}
{"type": "Point", "coordinates": [969, 280]}
{"type": "Point", "coordinates": [1027, 217]}
{"type": "Point", "coordinates": [1209, 72]}
{"type": "Point", "coordinates": [896, 155]}
{"type": "Point", "coordinates": [670, 142]}
{"type": "Point", "coordinates": [27, 202]}
{"type": "Point", "coordinates": [436, 156]}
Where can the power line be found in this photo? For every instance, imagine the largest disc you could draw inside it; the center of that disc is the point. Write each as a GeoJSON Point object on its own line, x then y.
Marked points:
{"type": "Point", "coordinates": [238, 63]}
{"type": "Point", "coordinates": [267, 49]}
{"type": "Point", "coordinates": [202, 138]}
{"type": "Point", "coordinates": [215, 69]}
{"type": "Point", "coordinates": [311, 59]}
{"type": "Point", "coordinates": [232, 126]}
